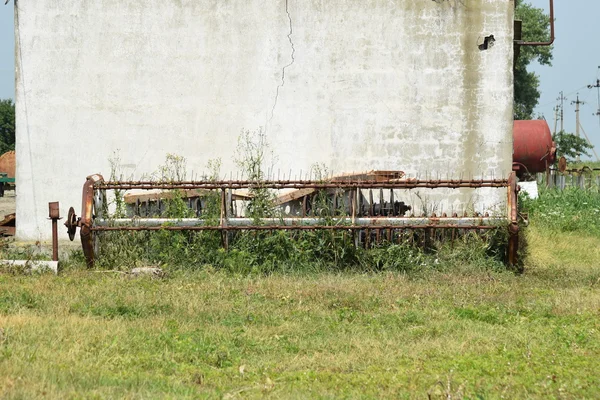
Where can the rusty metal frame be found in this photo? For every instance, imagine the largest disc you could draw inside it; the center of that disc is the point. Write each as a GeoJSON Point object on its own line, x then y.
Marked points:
{"type": "Point", "coordinates": [86, 221]}
{"type": "Point", "coordinates": [92, 221]}
{"type": "Point", "coordinates": [513, 217]}
{"type": "Point", "coordinates": [299, 184]}
{"type": "Point", "coordinates": [343, 223]}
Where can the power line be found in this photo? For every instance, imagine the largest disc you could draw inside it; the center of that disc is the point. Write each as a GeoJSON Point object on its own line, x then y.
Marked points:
{"type": "Point", "coordinates": [568, 94]}
{"type": "Point", "coordinates": [588, 139]}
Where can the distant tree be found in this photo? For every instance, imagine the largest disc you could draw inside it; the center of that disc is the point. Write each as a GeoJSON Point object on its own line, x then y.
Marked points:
{"type": "Point", "coordinates": [570, 145]}
{"type": "Point", "coordinates": [536, 27]}
{"type": "Point", "coordinates": [7, 125]}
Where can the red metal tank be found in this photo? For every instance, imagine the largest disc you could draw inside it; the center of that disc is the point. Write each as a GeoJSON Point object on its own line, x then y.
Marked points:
{"type": "Point", "coordinates": [7, 163]}
{"type": "Point", "coordinates": [533, 148]}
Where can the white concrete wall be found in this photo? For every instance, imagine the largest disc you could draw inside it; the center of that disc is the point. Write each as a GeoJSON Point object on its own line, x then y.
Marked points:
{"type": "Point", "coordinates": [378, 84]}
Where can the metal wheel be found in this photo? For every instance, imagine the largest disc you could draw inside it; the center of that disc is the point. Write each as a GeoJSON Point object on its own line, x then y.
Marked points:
{"type": "Point", "coordinates": [71, 224]}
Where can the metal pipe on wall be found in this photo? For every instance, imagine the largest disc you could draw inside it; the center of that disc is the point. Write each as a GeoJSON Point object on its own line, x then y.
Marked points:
{"type": "Point", "coordinates": [552, 37]}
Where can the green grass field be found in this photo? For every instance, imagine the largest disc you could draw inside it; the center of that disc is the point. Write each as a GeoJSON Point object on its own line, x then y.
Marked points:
{"type": "Point", "coordinates": [456, 330]}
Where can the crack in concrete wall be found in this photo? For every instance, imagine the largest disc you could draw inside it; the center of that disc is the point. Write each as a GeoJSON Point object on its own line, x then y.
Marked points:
{"type": "Point", "coordinates": [289, 36]}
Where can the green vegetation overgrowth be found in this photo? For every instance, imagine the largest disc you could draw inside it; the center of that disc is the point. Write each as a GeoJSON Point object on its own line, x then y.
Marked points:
{"type": "Point", "coordinates": [462, 331]}
{"type": "Point", "coordinates": [265, 252]}
{"type": "Point", "coordinates": [570, 210]}
{"type": "Point", "coordinates": [330, 321]}
{"type": "Point", "coordinates": [423, 326]}
{"type": "Point", "coordinates": [7, 125]}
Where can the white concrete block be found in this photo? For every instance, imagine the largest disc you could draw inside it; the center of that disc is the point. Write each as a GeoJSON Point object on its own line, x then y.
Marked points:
{"type": "Point", "coordinates": [354, 85]}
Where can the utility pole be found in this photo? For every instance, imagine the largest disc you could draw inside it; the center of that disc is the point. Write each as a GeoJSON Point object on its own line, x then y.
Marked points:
{"type": "Point", "coordinates": [562, 99]}
{"type": "Point", "coordinates": [577, 104]}
{"type": "Point", "coordinates": [597, 86]}
{"type": "Point", "coordinates": [555, 120]}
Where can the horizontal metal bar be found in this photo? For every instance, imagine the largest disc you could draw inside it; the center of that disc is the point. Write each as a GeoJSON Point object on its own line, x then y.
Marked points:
{"type": "Point", "coordinates": [391, 184]}
{"type": "Point", "coordinates": [344, 223]}
{"type": "Point", "coordinates": [284, 228]}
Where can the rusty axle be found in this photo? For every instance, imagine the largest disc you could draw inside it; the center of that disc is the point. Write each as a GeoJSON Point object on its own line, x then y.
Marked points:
{"type": "Point", "coordinates": [282, 184]}
{"type": "Point", "coordinates": [285, 227]}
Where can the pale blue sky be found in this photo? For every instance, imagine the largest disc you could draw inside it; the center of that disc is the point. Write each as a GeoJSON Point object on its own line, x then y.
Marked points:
{"type": "Point", "coordinates": [575, 65]}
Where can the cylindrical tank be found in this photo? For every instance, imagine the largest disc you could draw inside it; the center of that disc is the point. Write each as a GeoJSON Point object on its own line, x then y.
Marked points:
{"type": "Point", "coordinates": [533, 147]}
{"type": "Point", "coordinates": [7, 163]}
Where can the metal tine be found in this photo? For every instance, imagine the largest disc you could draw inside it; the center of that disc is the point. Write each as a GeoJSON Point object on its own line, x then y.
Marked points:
{"type": "Point", "coordinates": [335, 203]}
{"type": "Point", "coordinates": [304, 205]}
{"type": "Point", "coordinates": [359, 203]}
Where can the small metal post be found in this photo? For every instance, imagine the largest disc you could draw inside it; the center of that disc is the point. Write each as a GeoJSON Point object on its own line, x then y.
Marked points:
{"type": "Point", "coordinates": [54, 214]}
{"type": "Point", "coordinates": [224, 238]}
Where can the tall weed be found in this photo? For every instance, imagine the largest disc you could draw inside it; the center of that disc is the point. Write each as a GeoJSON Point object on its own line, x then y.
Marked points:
{"type": "Point", "coordinates": [570, 210]}
{"type": "Point", "coordinates": [265, 252]}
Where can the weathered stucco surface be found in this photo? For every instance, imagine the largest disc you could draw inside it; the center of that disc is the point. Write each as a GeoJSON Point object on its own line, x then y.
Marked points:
{"type": "Point", "coordinates": [353, 84]}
